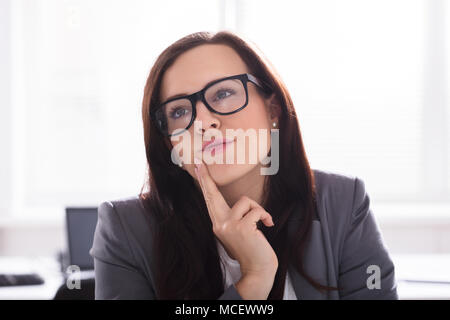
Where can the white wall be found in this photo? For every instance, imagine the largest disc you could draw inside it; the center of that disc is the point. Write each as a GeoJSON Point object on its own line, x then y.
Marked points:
{"type": "Point", "coordinates": [32, 240]}
{"type": "Point", "coordinates": [5, 110]}
{"type": "Point", "coordinates": [22, 236]}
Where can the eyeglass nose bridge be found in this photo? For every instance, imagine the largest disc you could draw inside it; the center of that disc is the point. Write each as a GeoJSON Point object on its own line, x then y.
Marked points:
{"type": "Point", "coordinates": [199, 96]}
{"type": "Point", "coordinates": [195, 97]}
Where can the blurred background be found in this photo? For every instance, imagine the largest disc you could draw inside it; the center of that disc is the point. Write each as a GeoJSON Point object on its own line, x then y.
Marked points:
{"type": "Point", "coordinates": [369, 79]}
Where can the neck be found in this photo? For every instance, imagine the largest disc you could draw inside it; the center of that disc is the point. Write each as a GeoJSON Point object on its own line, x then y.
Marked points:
{"type": "Point", "coordinates": [250, 185]}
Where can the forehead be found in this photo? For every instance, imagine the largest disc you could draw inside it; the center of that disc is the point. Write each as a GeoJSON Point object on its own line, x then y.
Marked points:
{"type": "Point", "coordinates": [193, 69]}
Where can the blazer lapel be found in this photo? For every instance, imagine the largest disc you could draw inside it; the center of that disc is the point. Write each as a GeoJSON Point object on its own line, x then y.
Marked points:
{"type": "Point", "coordinates": [314, 263]}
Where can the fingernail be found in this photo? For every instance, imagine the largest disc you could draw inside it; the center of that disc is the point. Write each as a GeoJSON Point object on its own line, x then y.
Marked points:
{"type": "Point", "coordinates": [197, 163]}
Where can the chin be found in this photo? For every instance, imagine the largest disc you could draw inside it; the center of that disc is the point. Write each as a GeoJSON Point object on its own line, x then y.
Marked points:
{"type": "Point", "coordinates": [224, 174]}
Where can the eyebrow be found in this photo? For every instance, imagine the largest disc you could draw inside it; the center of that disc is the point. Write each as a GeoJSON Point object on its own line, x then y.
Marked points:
{"type": "Point", "coordinates": [186, 94]}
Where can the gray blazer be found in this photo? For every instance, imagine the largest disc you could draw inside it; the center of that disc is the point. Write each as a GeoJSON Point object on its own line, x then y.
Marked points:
{"type": "Point", "coordinates": [345, 241]}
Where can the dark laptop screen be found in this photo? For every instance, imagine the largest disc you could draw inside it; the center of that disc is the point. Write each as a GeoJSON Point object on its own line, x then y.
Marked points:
{"type": "Point", "coordinates": [81, 223]}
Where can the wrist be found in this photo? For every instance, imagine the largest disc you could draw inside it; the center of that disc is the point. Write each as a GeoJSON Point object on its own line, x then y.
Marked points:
{"type": "Point", "coordinates": [255, 286]}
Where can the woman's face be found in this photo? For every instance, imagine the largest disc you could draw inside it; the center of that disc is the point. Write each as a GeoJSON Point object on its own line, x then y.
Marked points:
{"type": "Point", "coordinates": [190, 73]}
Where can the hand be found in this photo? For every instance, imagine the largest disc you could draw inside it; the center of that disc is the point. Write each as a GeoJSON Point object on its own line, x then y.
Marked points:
{"type": "Point", "coordinates": [236, 229]}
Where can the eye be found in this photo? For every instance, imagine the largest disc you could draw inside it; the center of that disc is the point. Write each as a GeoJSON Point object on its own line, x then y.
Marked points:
{"type": "Point", "coordinates": [223, 93]}
{"type": "Point", "coordinates": [178, 112]}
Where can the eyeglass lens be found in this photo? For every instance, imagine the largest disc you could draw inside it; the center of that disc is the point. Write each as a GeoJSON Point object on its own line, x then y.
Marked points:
{"type": "Point", "coordinates": [224, 97]}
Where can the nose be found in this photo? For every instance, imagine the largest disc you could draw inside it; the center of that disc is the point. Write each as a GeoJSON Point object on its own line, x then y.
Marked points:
{"type": "Point", "coordinates": [207, 118]}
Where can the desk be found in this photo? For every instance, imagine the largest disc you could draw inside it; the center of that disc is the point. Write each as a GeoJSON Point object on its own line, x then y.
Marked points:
{"type": "Point", "coordinates": [408, 268]}
{"type": "Point", "coordinates": [48, 268]}
{"type": "Point", "coordinates": [422, 276]}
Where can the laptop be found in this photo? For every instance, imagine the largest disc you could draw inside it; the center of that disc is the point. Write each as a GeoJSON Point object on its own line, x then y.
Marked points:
{"type": "Point", "coordinates": [80, 227]}
{"type": "Point", "coordinates": [80, 224]}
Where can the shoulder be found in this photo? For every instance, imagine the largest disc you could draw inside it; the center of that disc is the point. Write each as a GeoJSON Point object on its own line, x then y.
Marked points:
{"type": "Point", "coordinates": [127, 213]}
{"type": "Point", "coordinates": [132, 203]}
{"type": "Point", "coordinates": [123, 230]}
{"type": "Point", "coordinates": [122, 250]}
{"type": "Point", "coordinates": [340, 198]}
{"type": "Point", "coordinates": [338, 189]}
{"type": "Point", "coordinates": [333, 184]}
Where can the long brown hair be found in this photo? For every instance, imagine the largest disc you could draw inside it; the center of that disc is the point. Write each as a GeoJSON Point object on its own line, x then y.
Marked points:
{"type": "Point", "coordinates": [185, 256]}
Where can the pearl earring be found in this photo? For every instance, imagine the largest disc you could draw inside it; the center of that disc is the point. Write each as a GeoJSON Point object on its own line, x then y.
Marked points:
{"type": "Point", "coordinates": [274, 124]}
{"type": "Point", "coordinates": [177, 161]}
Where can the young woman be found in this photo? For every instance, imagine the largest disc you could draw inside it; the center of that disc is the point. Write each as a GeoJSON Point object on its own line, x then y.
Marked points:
{"type": "Point", "coordinates": [224, 230]}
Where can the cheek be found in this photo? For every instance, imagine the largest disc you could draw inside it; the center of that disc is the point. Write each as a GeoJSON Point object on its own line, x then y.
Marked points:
{"type": "Point", "coordinates": [187, 158]}
{"type": "Point", "coordinates": [254, 116]}
{"type": "Point", "coordinates": [183, 147]}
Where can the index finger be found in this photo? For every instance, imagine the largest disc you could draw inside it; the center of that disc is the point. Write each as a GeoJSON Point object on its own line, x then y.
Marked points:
{"type": "Point", "coordinates": [217, 206]}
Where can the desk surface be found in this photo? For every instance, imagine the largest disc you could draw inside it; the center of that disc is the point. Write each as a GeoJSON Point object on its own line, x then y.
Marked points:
{"type": "Point", "coordinates": [410, 269]}
{"type": "Point", "coordinates": [422, 276]}
{"type": "Point", "coordinates": [48, 268]}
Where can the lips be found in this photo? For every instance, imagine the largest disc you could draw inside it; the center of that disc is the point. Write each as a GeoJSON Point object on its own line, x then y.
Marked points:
{"type": "Point", "coordinates": [208, 145]}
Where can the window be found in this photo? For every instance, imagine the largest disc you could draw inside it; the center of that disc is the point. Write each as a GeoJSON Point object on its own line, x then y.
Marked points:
{"type": "Point", "coordinates": [82, 66]}
{"type": "Point", "coordinates": [364, 76]}
{"type": "Point", "coordinates": [369, 80]}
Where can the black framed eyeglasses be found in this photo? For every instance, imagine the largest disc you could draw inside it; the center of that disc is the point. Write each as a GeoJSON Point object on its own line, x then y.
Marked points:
{"type": "Point", "coordinates": [222, 96]}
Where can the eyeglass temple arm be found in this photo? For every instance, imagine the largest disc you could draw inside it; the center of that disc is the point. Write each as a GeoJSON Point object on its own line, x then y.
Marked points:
{"type": "Point", "coordinates": [260, 83]}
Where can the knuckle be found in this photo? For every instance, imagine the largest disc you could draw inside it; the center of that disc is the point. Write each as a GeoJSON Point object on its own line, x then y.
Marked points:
{"type": "Point", "coordinates": [264, 212]}
{"type": "Point", "coordinates": [216, 229]}
{"type": "Point", "coordinates": [244, 198]}
{"type": "Point", "coordinates": [258, 211]}
{"type": "Point", "coordinates": [221, 228]}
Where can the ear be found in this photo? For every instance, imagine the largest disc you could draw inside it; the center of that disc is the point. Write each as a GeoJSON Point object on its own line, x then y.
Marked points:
{"type": "Point", "coordinates": [273, 107]}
